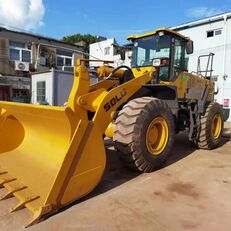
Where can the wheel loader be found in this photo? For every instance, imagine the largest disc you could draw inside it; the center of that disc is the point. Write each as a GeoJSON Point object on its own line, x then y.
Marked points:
{"type": "Point", "coordinates": [51, 156]}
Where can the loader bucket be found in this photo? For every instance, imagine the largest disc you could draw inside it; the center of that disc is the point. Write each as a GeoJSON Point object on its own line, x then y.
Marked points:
{"type": "Point", "coordinates": [51, 156]}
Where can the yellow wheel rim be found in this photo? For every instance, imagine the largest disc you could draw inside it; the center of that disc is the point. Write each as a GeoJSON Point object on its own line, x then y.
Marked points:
{"type": "Point", "coordinates": [157, 136]}
{"type": "Point", "coordinates": [216, 126]}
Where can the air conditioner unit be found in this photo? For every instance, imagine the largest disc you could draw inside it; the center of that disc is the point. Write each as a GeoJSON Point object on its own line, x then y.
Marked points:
{"type": "Point", "coordinates": [68, 68]}
{"type": "Point", "coordinates": [21, 66]}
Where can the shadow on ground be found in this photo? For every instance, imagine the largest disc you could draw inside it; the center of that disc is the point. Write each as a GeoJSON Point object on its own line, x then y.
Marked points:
{"type": "Point", "coordinates": [117, 173]}
{"type": "Point", "coordinates": [227, 133]}
{"type": "Point", "coordinates": [182, 147]}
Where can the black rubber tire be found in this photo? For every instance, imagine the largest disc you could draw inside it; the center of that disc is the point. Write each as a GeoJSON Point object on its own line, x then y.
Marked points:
{"type": "Point", "coordinates": [205, 139]}
{"type": "Point", "coordinates": [130, 133]}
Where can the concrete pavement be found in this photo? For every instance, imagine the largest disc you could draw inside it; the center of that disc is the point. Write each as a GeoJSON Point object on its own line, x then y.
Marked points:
{"type": "Point", "coordinates": [192, 192]}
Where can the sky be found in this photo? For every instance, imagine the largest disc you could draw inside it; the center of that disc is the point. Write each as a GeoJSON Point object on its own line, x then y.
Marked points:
{"type": "Point", "coordinates": [111, 19]}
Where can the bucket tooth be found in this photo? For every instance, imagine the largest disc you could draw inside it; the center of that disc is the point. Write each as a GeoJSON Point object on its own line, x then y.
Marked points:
{"type": "Point", "coordinates": [35, 219]}
{"type": "Point", "coordinates": [2, 172]}
{"type": "Point", "coordinates": [6, 178]}
{"type": "Point", "coordinates": [17, 207]}
{"type": "Point", "coordinates": [38, 215]}
{"type": "Point", "coordinates": [14, 186]}
{"type": "Point", "coordinates": [6, 196]}
{"type": "Point", "coordinates": [10, 193]}
{"type": "Point", "coordinates": [22, 203]}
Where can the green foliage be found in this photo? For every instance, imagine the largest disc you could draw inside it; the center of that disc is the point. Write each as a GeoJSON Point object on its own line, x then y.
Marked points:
{"type": "Point", "coordinates": [87, 38]}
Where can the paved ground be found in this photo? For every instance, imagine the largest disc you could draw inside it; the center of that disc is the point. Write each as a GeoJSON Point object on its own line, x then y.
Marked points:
{"type": "Point", "coordinates": [192, 192]}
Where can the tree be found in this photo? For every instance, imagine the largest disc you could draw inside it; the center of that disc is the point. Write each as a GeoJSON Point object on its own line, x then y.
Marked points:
{"type": "Point", "coordinates": [86, 38]}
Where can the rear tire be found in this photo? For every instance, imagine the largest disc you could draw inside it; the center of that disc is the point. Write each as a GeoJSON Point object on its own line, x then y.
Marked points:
{"type": "Point", "coordinates": [144, 133]}
{"type": "Point", "coordinates": [211, 127]}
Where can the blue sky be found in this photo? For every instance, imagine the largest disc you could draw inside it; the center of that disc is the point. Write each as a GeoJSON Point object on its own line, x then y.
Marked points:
{"type": "Point", "coordinates": [110, 18]}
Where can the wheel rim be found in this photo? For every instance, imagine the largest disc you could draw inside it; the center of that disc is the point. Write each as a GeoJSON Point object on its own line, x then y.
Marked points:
{"type": "Point", "coordinates": [216, 126]}
{"type": "Point", "coordinates": [157, 136]}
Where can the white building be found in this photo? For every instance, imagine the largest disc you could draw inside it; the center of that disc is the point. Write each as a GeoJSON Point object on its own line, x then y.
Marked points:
{"type": "Point", "coordinates": [108, 50]}
{"type": "Point", "coordinates": [213, 35]}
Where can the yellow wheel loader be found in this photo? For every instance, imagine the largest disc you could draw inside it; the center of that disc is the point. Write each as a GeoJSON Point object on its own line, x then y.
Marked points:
{"type": "Point", "coordinates": [51, 156]}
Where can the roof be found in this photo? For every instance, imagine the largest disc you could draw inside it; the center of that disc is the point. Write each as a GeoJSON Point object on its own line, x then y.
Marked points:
{"type": "Point", "coordinates": [155, 32]}
{"type": "Point", "coordinates": [214, 18]}
{"type": "Point", "coordinates": [38, 36]}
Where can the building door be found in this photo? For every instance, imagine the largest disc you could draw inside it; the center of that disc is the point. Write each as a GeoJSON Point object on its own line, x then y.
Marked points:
{"type": "Point", "coordinates": [5, 93]}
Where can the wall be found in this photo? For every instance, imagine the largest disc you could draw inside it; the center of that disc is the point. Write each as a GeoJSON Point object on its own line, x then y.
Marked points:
{"type": "Point", "coordinates": [220, 45]}
{"type": "Point", "coordinates": [127, 62]}
{"type": "Point", "coordinates": [48, 78]}
{"type": "Point", "coordinates": [97, 51]}
{"type": "Point", "coordinates": [6, 66]}
{"type": "Point", "coordinates": [227, 66]}
{"type": "Point", "coordinates": [63, 82]}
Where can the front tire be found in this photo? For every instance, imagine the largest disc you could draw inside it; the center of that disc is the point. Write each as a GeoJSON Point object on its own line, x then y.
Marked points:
{"type": "Point", "coordinates": [144, 133]}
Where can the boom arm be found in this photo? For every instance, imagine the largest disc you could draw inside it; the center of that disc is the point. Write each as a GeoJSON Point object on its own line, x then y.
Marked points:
{"type": "Point", "coordinates": [51, 156]}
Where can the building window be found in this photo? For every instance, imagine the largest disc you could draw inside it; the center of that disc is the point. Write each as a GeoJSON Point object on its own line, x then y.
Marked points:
{"type": "Point", "coordinates": [64, 58]}
{"type": "Point", "coordinates": [68, 62]}
{"type": "Point", "coordinates": [60, 61]}
{"type": "Point", "coordinates": [17, 44]}
{"type": "Point", "coordinates": [218, 32]}
{"type": "Point", "coordinates": [107, 51]}
{"type": "Point", "coordinates": [19, 52]}
{"type": "Point", "coordinates": [26, 56]}
{"type": "Point", "coordinates": [177, 54]}
{"type": "Point", "coordinates": [213, 33]}
{"type": "Point", "coordinates": [41, 91]}
{"type": "Point", "coordinates": [14, 54]}
{"type": "Point", "coordinates": [210, 34]}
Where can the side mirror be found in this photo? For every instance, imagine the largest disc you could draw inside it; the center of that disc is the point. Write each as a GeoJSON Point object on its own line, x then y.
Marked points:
{"type": "Point", "coordinates": [189, 47]}
{"type": "Point", "coordinates": [122, 54]}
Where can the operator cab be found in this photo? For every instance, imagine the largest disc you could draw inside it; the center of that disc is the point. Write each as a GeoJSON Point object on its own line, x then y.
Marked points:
{"type": "Point", "coordinates": [164, 49]}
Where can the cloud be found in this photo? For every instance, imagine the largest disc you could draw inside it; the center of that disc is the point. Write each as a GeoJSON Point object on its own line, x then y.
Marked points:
{"type": "Point", "coordinates": [22, 14]}
{"type": "Point", "coordinates": [203, 12]}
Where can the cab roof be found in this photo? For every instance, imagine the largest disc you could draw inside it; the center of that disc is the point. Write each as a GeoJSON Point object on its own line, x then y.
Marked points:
{"type": "Point", "coordinates": [169, 31]}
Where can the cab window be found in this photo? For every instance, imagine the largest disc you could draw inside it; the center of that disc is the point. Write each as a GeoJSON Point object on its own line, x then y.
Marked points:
{"type": "Point", "coordinates": [148, 48]}
{"type": "Point", "coordinates": [178, 58]}
{"type": "Point", "coordinates": [177, 54]}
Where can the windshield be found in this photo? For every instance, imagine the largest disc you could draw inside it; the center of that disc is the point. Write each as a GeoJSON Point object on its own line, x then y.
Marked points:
{"type": "Point", "coordinates": [148, 48]}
